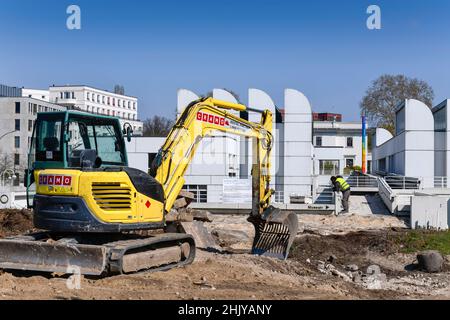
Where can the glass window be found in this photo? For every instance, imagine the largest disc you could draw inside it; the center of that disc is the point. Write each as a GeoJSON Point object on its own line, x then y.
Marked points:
{"type": "Point", "coordinates": [30, 125]}
{"type": "Point", "coordinates": [329, 167]}
{"type": "Point", "coordinates": [48, 146]}
{"type": "Point", "coordinates": [350, 142]}
{"type": "Point", "coordinates": [17, 107]}
{"type": "Point", "coordinates": [17, 160]}
{"type": "Point", "coordinates": [318, 141]}
{"type": "Point", "coordinates": [349, 163]}
{"type": "Point", "coordinates": [17, 142]}
{"type": "Point", "coordinates": [17, 124]}
{"type": "Point", "coordinates": [100, 140]}
{"type": "Point", "coordinates": [88, 96]}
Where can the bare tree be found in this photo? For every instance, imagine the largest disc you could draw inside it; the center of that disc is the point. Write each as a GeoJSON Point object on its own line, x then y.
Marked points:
{"type": "Point", "coordinates": [157, 126]}
{"type": "Point", "coordinates": [386, 92]}
{"type": "Point", "coordinates": [119, 89]}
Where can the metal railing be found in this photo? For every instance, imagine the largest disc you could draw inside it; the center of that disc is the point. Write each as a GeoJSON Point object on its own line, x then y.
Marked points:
{"type": "Point", "coordinates": [362, 181]}
{"type": "Point", "coordinates": [402, 182]}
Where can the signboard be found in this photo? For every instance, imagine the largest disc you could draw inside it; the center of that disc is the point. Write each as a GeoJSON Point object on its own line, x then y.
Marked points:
{"type": "Point", "coordinates": [237, 191]}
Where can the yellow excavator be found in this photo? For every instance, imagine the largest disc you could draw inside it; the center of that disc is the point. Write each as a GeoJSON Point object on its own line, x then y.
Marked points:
{"type": "Point", "coordinates": [94, 209]}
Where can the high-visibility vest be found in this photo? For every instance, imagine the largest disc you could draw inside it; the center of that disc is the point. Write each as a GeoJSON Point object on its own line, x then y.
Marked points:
{"type": "Point", "coordinates": [344, 185]}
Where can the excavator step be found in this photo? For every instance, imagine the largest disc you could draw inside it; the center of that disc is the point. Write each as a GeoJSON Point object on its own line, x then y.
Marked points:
{"type": "Point", "coordinates": [88, 255]}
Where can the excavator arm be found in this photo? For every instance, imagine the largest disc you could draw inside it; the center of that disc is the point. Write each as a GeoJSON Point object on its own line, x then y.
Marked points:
{"type": "Point", "coordinates": [200, 119]}
{"type": "Point", "coordinates": [275, 230]}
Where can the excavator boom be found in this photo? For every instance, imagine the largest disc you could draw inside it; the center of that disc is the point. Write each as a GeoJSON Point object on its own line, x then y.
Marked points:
{"type": "Point", "coordinates": [274, 230]}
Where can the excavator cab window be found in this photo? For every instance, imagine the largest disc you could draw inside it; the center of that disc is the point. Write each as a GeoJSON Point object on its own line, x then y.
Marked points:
{"type": "Point", "coordinates": [93, 143]}
{"type": "Point", "coordinates": [48, 142]}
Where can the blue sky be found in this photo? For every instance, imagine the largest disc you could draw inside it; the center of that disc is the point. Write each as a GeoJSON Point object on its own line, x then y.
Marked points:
{"type": "Point", "coordinates": [321, 48]}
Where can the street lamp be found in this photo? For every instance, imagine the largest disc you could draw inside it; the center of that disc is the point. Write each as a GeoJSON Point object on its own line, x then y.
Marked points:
{"type": "Point", "coordinates": [12, 176]}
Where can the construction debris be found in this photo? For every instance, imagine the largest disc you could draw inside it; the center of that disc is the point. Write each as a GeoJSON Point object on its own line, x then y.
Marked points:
{"type": "Point", "coordinates": [430, 261]}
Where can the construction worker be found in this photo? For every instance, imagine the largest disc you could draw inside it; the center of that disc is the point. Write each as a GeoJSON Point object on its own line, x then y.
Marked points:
{"type": "Point", "coordinates": [339, 184]}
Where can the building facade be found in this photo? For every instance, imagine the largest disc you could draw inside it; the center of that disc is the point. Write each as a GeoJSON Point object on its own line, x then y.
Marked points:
{"type": "Point", "coordinates": [7, 91]}
{"type": "Point", "coordinates": [303, 149]}
{"type": "Point", "coordinates": [337, 147]}
{"type": "Point", "coordinates": [411, 151]}
{"type": "Point", "coordinates": [17, 118]}
{"type": "Point", "coordinates": [36, 94]}
{"type": "Point", "coordinates": [92, 100]}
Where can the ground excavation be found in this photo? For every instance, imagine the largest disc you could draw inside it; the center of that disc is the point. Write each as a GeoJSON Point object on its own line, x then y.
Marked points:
{"type": "Point", "coordinates": [353, 257]}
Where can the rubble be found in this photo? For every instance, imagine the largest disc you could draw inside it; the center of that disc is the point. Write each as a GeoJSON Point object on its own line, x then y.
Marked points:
{"type": "Point", "coordinates": [430, 261]}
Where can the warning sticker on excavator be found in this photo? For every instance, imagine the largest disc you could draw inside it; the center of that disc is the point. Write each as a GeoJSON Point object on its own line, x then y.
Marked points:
{"type": "Point", "coordinates": [55, 180]}
{"type": "Point", "coordinates": [205, 117]}
{"type": "Point", "coordinates": [221, 121]}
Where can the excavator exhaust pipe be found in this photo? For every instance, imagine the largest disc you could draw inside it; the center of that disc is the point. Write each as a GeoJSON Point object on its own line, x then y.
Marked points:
{"type": "Point", "coordinates": [275, 232]}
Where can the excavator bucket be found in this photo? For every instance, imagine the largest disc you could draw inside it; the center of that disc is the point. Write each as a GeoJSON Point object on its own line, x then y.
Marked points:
{"type": "Point", "coordinates": [275, 232]}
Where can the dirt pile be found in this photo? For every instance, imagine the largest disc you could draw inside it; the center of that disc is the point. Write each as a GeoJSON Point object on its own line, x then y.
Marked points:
{"type": "Point", "coordinates": [14, 222]}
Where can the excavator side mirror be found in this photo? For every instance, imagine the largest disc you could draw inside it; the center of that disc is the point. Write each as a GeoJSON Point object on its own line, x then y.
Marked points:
{"type": "Point", "coordinates": [127, 131]}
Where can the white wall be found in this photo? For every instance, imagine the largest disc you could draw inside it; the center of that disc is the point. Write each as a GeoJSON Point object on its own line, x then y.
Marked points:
{"type": "Point", "coordinates": [411, 151]}
{"type": "Point", "coordinates": [298, 148]}
{"type": "Point", "coordinates": [139, 148]}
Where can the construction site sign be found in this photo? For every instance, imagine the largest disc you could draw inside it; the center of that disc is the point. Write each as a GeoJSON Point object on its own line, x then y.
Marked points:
{"type": "Point", "coordinates": [237, 190]}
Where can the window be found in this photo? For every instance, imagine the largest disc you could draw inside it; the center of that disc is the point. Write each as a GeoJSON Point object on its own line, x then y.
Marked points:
{"type": "Point", "coordinates": [118, 102]}
{"type": "Point", "coordinates": [318, 141]}
{"type": "Point", "coordinates": [17, 107]}
{"type": "Point", "coordinates": [61, 95]}
{"type": "Point", "coordinates": [349, 163]}
{"type": "Point", "coordinates": [30, 125]}
{"type": "Point", "coordinates": [67, 95]}
{"type": "Point", "coordinates": [103, 99]}
{"type": "Point", "coordinates": [88, 96]}
{"type": "Point", "coordinates": [200, 192]}
{"type": "Point", "coordinates": [93, 97]}
{"type": "Point", "coordinates": [350, 142]}
{"type": "Point", "coordinates": [108, 101]}
{"type": "Point", "coordinates": [73, 95]}
{"type": "Point", "coordinates": [17, 160]}
{"type": "Point", "coordinates": [48, 146]}
{"type": "Point", "coordinates": [98, 98]}
{"type": "Point", "coordinates": [17, 142]}
{"type": "Point", "coordinates": [17, 124]}
{"type": "Point", "coordinates": [329, 167]}
{"type": "Point", "coordinates": [100, 138]}
{"type": "Point", "coordinates": [151, 157]}
{"type": "Point", "coordinates": [382, 165]}
{"type": "Point", "coordinates": [114, 102]}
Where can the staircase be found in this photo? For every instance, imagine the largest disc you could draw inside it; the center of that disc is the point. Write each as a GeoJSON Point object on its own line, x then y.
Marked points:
{"type": "Point", "coordinates": [324, 195]}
